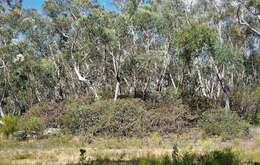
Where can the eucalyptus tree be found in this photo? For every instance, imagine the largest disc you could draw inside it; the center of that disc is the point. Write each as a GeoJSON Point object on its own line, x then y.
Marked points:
{"type": "Point", "coordinates": [76, 48]}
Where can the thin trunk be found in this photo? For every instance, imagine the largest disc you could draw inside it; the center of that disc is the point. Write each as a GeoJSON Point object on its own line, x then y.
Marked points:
{"type": "Point", "coordinates": [1, 115]}
{"type": "Point", "coordinates": [1, 112]}
{"type": "Point", "coordinates": [172, 80]}
{"type": "Point", "coordinates": [201, 82]}
{"type": "Point", "coordinates": [117, 90]}
{"type": "Point", "coordinates": [224, 86]}
{"type": "Point", "coordinates": [167, 61]}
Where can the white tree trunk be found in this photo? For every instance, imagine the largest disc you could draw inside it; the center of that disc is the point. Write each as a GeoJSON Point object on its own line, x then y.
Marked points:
{"type": "Point", "coordinates": [83, 79]}
{"type": "Point", "coordinates": [201, 82]}
{"type": "Point", "coordinates": [220, 78]}
{"type": "Point", "coordinates": [1, 112]}
{"type": "Point", "coordinates": [117, 91]}
{"type": "Point", "coordinates": [1, 115]}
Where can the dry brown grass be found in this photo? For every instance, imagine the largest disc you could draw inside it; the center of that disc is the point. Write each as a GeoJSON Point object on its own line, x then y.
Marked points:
{"type": "Point", "coordinates": [64, 149]}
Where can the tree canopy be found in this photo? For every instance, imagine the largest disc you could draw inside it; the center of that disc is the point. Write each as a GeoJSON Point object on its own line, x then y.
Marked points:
{"type": "Point", "coordinates": [77, 48]}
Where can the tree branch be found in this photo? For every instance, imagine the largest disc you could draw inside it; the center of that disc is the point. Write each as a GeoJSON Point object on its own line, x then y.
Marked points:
{"type": "Point", "coordinates": [83, 79]}
{"type": "Point", "coordinates": [242, 21]}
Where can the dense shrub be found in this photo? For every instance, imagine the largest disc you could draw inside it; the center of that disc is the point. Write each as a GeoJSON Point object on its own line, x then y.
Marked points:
{"type": "Point", "coordinates": [53, 112]}
{"type": "Point", "coordinates": [246, 102]}
{"type": "Point", "coordinates": [224, 123]}
{"type": "Point", "coordinates": [81, 120]}
{"type": "Point", "coordinates": [170, 118]}
{"type": "Point", "coordinates": [199, 104]}
{"type": "Point", "coordinates": [33, 126]}
{"type": "Point", "coordinates": [170, 95]}
{"type": "Point", "coordinates": [9, 125]}
{"type": "Point", "coordinates": [50, 112]}
{"type": "Point", "coordinates": [125, 117]}
{"type": "Point", "coordinates": [106, 92]}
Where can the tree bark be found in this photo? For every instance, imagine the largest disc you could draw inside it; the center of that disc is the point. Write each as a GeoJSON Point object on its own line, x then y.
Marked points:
{"type": "Point", "coordinates": [224, 86]}
{"type": "Point", "coordinates": [1, 115]}
{"type": "Point", "coordinates": [201, 82]}
{"type": "Point", "coordinates": [83, 79]}
{"type": "Point", "coordinates": [116, 90]}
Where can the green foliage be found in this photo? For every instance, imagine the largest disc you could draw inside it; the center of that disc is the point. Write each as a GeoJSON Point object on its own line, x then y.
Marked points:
{"type": "Point", "coordinates": [49, 112]}
{"type": "Point", "coordinates": [46, 65]}
{"type": "Point", "coordinates": [33, 126]}
{"type": "Point", "coordinates": [193, 38]}
{"type": "Point", "coordinates": [212, 158]}
{"type": "Point", "coordinates": [52, 112]}
{"type": "Point", "coordinates": [144, 18]}
{"type": "Point", "coordinates": [199, 104]}
{"type": "Point", "coordinates": [246, 102]}
{"type": "Point", "coordinates": [223, 123]}
{"type": "Point", "coordinates": [125, 117]}
{"type": "Point", "coordinates": [106, 92]}
{"type": "Point", "coordinates": [171, 118]}
{"type": "Point", "coordinates": [171, 96]}
{"type": "Point", "coordinates": [9, 125]}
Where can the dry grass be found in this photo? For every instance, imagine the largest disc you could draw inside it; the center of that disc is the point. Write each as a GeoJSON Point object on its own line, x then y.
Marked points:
{"type": "Point", "coordinates": [64, 149]}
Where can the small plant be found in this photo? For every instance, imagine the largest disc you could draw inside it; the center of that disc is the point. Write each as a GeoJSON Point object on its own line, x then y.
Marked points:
{"type": "Point", "coordinates": [82, 158]}
{"type": "Point", "coordinates": [246, 102]}
{"type": "Point", "coordinates": [9, 125]}
{"type": "Point", "coordinates": [33, 126]}
{"type": "Point", "coordinates": [223, 123]}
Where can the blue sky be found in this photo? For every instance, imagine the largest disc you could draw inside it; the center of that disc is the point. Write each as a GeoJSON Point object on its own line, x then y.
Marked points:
{"type": "Point", "coordinates": [37, 4]}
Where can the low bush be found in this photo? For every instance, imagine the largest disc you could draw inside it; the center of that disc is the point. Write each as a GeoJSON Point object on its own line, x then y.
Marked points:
{"type": "Point", "coordinates": [105, 92]}
{"type": "Point", "coordinates": [168, 119]}
{"type": "Point", "coordinates": [199, 104]}
{"type": "Point", "coordinates": [53, 112]}
{"type": "Point", "coordinates": [171, 96]}
{"type": "Point", "coordinates": [215, 157]}
{"type": "Point", "coordinates": [223, 123]}
{"type": "Point", "coordinates": [33, 126]}
{"type": "Point", "coordinates": [50, 112]}
{"type": "Point", "coordinates": [246, 102]}
{"type": "Point", "coordinates": [212, 158]}
{"type": "Point", "coordinates": [168, 96]}
{"type": "Point", "coordinates": [125, 117]}
{"type": "Point", "coordinates": [9, 125]}
{"type": "Point", "coordinates": [81, 120]}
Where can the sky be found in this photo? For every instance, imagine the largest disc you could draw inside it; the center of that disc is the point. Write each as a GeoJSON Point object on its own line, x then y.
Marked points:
{"type": "Point", "coordinates": [37, 4]}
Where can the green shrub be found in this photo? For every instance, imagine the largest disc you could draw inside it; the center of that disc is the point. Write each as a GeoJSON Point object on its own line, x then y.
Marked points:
{"type": "Point", "coordinates": [246, 102]}
{"type": "Point", "coordinates": [33, 126]}
{"type": "Point", "coordinates": [225, 157]}
{"type": "Point", "coordinates": [168, 119]}
{"type": "Point", "coordinates": [9, 126]}
{"type": "Point", "coordinates": [199, 104]}
{"type": "Point", "coordinates": [220, 157]}
{"type": "Point", "coordinates": [223, 123]}
{"type": "Point", "coordinates": [171, 96]}
{"type": "Point", "coordinates": [106, 92]}
{"type": "Point", "coordinates": [82, 120]}
{"type": "Point", "coordinates": [52, 112]}
{"type": "Point", "coordinates": [125, 117]}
